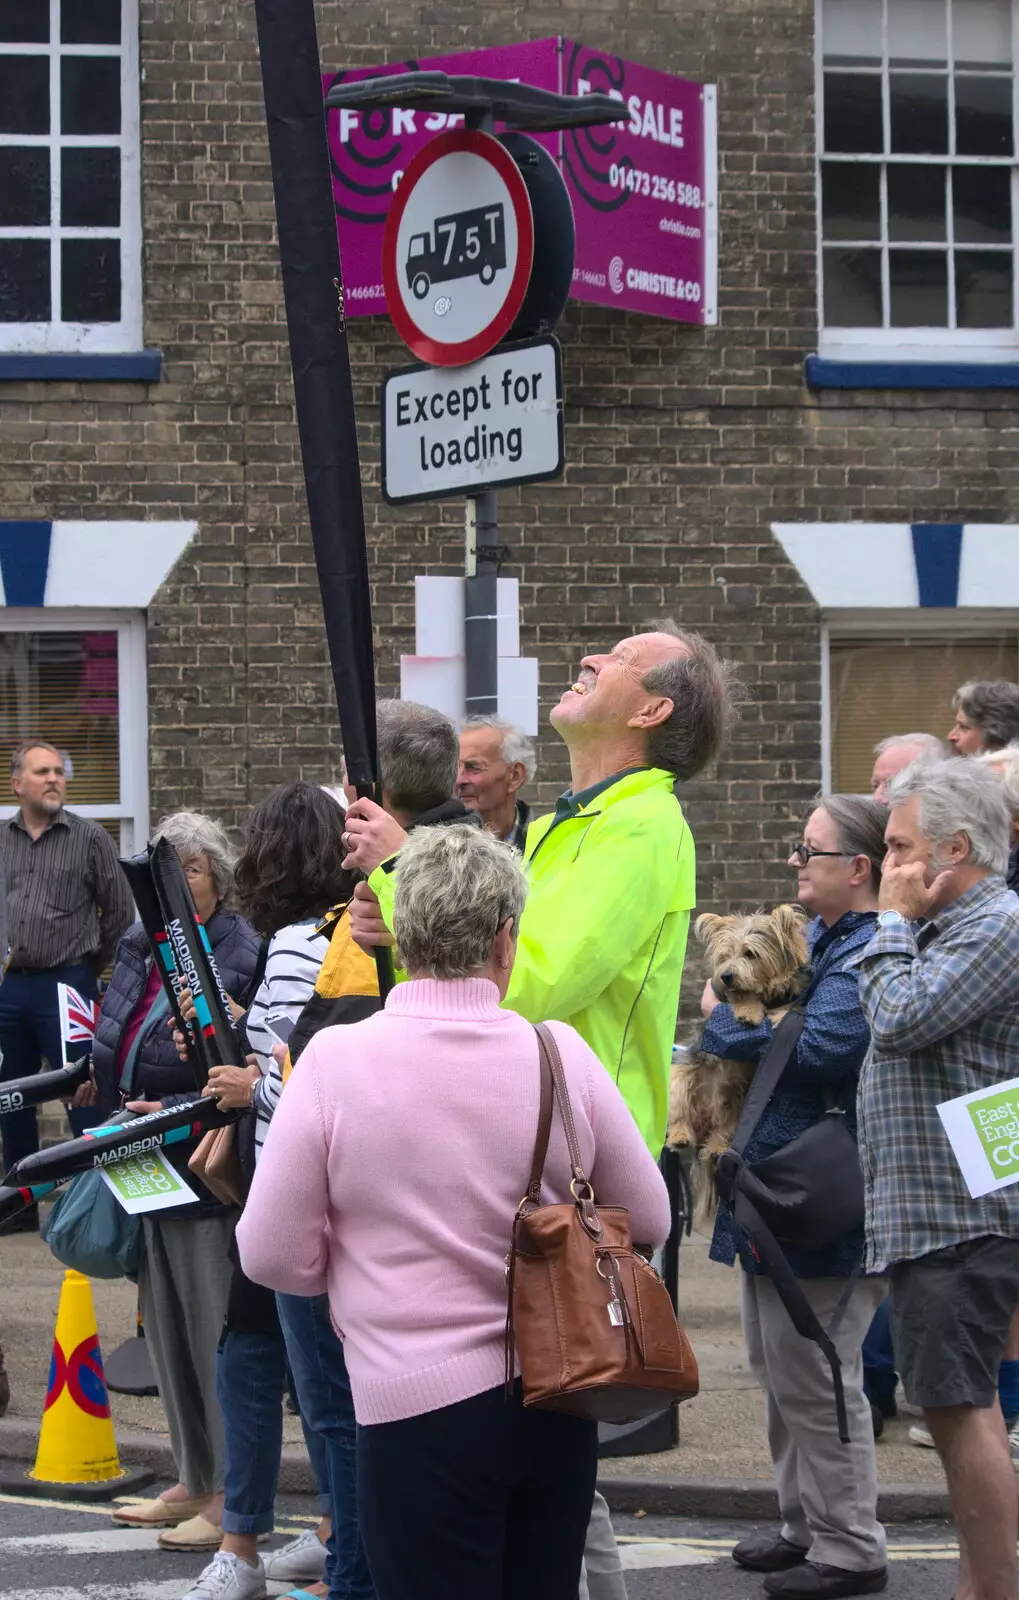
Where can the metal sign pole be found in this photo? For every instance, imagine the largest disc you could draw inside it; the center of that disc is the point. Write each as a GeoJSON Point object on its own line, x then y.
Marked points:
{"type": "Point", "coordinates": [481, 624]}
{"type": "Point", "coordinates": [481, 586]}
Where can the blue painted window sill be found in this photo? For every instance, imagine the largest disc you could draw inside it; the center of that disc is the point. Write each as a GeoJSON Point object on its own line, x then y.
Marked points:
{"type": "Point", "coordinates": [825, 374]}
{"type": "Point", "coordinates": [132, 366]}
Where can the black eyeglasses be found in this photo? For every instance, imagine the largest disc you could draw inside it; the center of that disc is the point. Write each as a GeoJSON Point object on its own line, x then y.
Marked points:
{"type": "Point", "coordinates": [805, 853]}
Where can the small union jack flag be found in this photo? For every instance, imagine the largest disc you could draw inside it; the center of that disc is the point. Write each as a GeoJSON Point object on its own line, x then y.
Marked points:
{"type": "Point", "coordinates": [78, 1018]}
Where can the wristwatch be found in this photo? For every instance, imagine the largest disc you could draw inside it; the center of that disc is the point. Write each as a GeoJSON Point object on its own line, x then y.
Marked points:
{"type": "Point", "coordinates": [890, 919]}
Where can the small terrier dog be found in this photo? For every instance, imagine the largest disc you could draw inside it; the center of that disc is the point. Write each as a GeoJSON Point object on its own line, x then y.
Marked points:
{"type": "Point", "coordinates": [759, 963]}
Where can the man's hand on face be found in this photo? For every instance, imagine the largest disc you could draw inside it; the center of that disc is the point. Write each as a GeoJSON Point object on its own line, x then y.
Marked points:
{"type": "Point", "coordinates": [371, 836]}
{"type": "Point", "coordinates": [367, 927]}
{"type": "Point", "coordinates": [905, 889]}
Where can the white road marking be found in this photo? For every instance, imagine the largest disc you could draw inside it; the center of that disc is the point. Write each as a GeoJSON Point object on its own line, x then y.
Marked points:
{"type": "Point", "coordinates": [170, 1590]}
{"type": "Point", "coordinates": [648, 1554]}
{"type": "Point", "coordinates": [97, 1541]}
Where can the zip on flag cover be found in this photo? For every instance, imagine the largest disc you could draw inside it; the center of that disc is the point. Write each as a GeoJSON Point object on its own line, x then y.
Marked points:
{"type": "Point", "coordinates": [78, 1018]}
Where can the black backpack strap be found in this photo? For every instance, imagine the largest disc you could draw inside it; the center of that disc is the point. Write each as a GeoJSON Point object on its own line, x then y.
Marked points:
{"type": "Point", "coordinates": [801, 1313]}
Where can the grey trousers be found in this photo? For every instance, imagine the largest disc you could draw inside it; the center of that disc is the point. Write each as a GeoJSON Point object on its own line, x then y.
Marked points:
{"type": "Point", "coordinates": [827, 1491]}
{"type": "Point", "coordinates": [602, 1575]}
{"type": "Point", "coordinates": [182, 1293]}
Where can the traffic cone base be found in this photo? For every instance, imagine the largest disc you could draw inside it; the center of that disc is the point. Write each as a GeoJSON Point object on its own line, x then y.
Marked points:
{"type": "Point", "coordinates": [77, 1452]}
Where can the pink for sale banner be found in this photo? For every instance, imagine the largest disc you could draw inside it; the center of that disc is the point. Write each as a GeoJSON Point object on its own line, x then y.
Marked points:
{"type": "Point", "coordinates": [644, 190]}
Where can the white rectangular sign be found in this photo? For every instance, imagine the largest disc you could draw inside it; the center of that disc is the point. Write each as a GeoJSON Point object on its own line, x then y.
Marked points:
{"type": "Point", "coordinates": [983, 1129]}
{"type": "Point", "coordinates": [458, 430]}
{"type": "Point", "coordinates": [147, 1183]}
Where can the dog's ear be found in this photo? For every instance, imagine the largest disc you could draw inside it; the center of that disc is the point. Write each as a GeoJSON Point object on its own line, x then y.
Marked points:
{"type": "Point", "coordinates": [789, 919]}
{"type": "Point", "coordinates": [707, 926]}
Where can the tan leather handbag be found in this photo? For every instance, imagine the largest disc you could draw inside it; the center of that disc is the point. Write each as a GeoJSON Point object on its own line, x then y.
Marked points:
{"type": "Point", "coordinates": [590, 1321]}
{"type": "Point", "coordinates": [215, 1160]}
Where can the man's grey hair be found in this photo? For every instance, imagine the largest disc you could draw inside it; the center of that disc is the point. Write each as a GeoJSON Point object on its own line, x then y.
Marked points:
{"type": "Point", "coordinates": [959, 797]}
{"type": "Point", "coordinates": [193, 834]}
{"type": "Point", "coordinates": [419, 755]}
{"type": "Point", "coordinates": [931, 748]}
{"type": "Point", "coordinates": [514, 744]}
{"type": "Point", "coordinates": [1005, 762]}
{"type": "Point", "coordinates": [992, 705]}
{"type": "Point", "coordinates": [20, 751]}
{"type": "Point", "coordinates": [706, 695]}
{"type": "Point", "coordinates": [455, 887]}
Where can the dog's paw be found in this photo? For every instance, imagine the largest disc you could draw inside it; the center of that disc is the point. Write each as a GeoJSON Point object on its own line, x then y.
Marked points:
{"type": "Point", "coordinates": [747, 1009]}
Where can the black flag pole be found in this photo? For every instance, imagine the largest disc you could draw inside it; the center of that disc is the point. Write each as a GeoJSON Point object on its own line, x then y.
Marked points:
{"type": "Point", "coordinates": [323, 390]}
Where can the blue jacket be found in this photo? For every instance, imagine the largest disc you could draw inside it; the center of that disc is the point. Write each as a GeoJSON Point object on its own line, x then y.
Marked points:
{"type": "Point", "coordinates": [827, 1061]}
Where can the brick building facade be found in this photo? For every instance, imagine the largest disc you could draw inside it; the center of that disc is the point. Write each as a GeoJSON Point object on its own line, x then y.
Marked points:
{"type": "Point", "coordinates": [705, 479]}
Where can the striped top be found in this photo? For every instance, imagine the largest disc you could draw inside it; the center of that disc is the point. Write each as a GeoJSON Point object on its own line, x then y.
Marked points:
{"type": "Point", "coordinates": [67, 899]}
{"type": "Point", "coordinates": [295, 955]}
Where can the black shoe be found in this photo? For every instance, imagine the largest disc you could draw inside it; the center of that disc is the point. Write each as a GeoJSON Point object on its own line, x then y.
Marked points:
{"type": "Point", "coordinates": [877, 1420]}
{"type": "Point", "coordinates": [23, 1222]}
{"type": "Point", "coordinates": [812, 1580]}
{"type": "Point", "coordinates": [768, 1552]}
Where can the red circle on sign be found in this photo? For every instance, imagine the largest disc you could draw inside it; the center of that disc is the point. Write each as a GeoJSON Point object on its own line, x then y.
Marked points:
{"type": "Point", "coordinates": [434, 351]}
{"type": "Point", "coordinates": [85, 1382]}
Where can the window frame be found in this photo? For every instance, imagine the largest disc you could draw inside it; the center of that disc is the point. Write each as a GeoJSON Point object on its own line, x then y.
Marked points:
{"type": "Point", "coordinates": [132, 809]}
{"type": "Point", "coordinates": [931, 344]}
{"type": "Point", "coordinates": [57, 336]}
{"type": "Point", "coordinates": [899, 625]}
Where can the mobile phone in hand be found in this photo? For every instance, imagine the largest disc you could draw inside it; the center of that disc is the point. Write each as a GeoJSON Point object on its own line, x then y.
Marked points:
{"type": "Point", "coordinates": [280, 1026]}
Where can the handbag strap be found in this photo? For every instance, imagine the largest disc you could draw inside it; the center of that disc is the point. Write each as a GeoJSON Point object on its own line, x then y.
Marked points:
{"type": "Point", "coordinates": [547, 1095]}
{"type": "Point", "coordinates": [580, 1184]}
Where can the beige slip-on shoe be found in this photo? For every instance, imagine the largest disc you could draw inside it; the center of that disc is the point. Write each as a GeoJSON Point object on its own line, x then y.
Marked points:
{"type": "Point", "coordinates": [197, 1534]}
{"type": "Point", "coordinates": [160, 1513]}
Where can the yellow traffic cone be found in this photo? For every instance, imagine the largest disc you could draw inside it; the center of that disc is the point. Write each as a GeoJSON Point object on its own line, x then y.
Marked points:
{"type": "Point", "coordinates": [77, 1453]}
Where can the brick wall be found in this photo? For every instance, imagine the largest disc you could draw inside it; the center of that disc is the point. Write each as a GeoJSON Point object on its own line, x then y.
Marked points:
{"type": "Point", "coordinates": [683, 444]}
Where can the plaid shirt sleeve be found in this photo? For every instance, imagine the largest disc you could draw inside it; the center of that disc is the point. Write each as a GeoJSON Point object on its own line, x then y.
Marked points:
{"type": "Point", "coordinates": [910, 1004]}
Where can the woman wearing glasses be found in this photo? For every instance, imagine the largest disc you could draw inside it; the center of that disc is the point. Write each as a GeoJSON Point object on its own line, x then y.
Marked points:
{"type": "Point", "coordinates": [830, 1542]}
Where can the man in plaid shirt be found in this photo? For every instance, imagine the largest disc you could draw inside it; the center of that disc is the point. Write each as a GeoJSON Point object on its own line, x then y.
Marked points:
{"type": "Point", "coordinates": [943, 1009]}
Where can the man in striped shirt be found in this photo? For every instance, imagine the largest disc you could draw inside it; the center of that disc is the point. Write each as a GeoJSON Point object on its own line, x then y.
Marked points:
{"type": "Point", "coordinates": [67, 906]}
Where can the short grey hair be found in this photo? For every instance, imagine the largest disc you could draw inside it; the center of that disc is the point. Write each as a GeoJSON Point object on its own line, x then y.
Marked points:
{"type": "Point", "coordinates": [706, 695]}
{"type": "Point", "coordinates": [860, 822]}
{"type": "Point", "coordinates": [419, 755]}
{"type": "Point", "coordinates": [455, 887]}
{"type": "Point", "coordinates": [1005, 762]}
{"type": "Point", "coordinates": [193, 834]}
{"type": "Point", "coordinates": [514, 743]}
{"type": "Point", "coordinates": [992, 705]}
{"type": "Point", "coordinates": [959, 797]}
{"type": "Point", "coordinates": [931, 748]}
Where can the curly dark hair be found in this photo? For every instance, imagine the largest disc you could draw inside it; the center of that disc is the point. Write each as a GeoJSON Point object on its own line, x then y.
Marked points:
{"type": "Point", "coordinates": [292, 865]}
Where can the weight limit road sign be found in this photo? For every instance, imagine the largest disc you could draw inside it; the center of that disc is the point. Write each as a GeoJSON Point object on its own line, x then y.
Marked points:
{"type": "Point", "coordinates": [458, 248]}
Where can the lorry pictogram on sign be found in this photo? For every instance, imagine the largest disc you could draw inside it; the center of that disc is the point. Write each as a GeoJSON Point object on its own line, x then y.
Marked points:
{"type": "Point", "coordinates": [467, 244]}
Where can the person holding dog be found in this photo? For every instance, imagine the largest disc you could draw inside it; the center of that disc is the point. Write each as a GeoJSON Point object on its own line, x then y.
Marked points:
{"type": "Point", "coordinates": [830, 1542]}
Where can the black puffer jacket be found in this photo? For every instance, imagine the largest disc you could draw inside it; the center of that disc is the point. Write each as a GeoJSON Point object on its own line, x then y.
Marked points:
{"type": "Point", "coordinates": [160, 1074]}
{"type": "Point", "coordinates": [159, 1070]}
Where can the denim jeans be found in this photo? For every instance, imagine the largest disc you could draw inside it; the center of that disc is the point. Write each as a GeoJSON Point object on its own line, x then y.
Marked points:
{"type": "Point", "coordinates": [251, 1375]}
{"type": "Point", "coordinates": [323, 1394]}
{"type": "Point", "coordinates": [880, 1378]}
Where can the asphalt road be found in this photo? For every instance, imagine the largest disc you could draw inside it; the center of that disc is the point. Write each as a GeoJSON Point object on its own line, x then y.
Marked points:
{"type": "Point", "coordinates": [53, 1550]}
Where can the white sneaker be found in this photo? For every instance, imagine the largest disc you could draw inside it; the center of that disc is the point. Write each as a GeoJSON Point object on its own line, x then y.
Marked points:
{"type": "Point", "coordinates": [227, 1577]}
{"type": "Point", "coordinates": [920, 1434]}
{"type": "Point", "coordinates": [303, 1560]}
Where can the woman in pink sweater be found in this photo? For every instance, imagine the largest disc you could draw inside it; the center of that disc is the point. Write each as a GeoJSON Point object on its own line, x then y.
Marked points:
{"type": "Point", "coordinates": [390, 1177]}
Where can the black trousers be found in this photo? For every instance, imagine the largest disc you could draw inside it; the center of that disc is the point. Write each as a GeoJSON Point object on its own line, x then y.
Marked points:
{"type": "Point", "coordinates": [479, 1501]}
